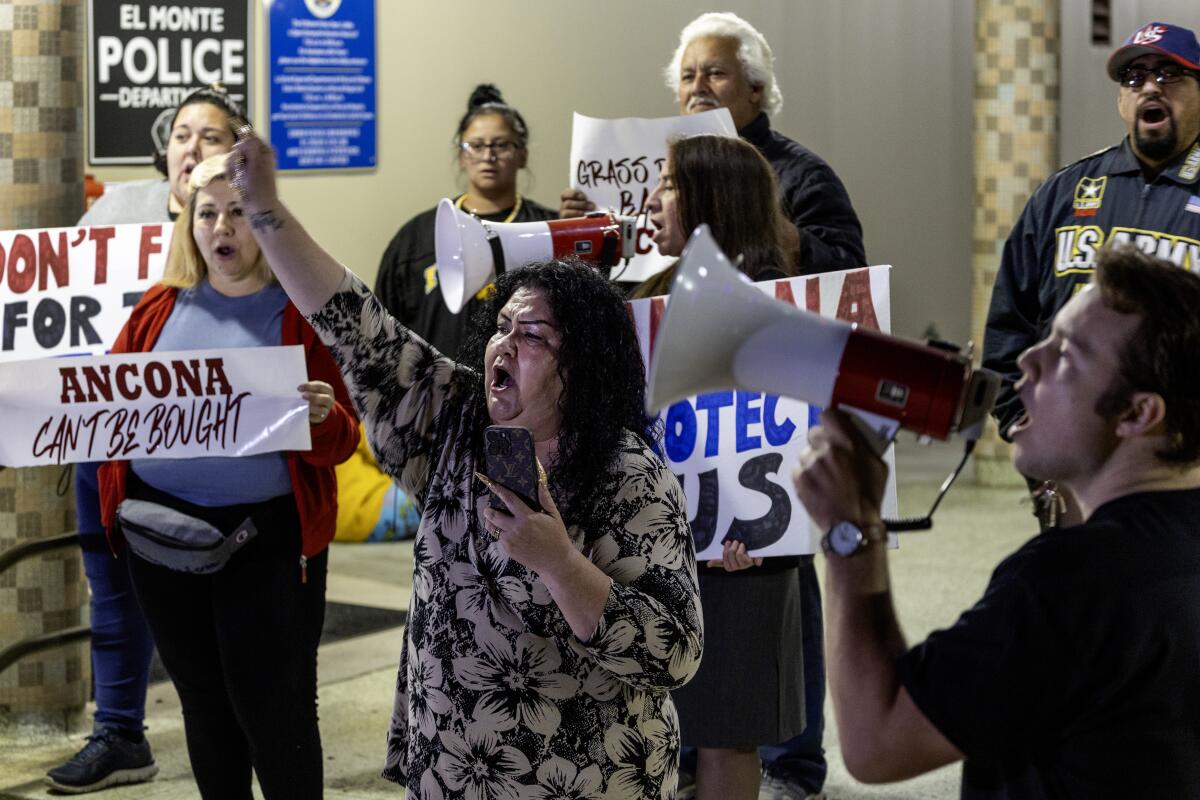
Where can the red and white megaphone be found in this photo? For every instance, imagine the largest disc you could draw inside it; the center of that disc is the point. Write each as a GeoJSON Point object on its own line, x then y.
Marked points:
{"type": "Point", "coordinates": [720, 332]}
{"type": "Point", "coordinates": [471, 252]}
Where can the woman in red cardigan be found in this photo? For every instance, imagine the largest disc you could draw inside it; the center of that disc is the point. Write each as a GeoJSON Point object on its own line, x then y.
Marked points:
{"type": "Point", "coordinates": [239, 643]}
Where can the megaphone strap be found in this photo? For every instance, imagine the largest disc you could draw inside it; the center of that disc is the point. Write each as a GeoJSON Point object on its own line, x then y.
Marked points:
{"type": "Point", "coordinates": [492, 239]}
{"type": "Point", "coordinates": [497, 250]}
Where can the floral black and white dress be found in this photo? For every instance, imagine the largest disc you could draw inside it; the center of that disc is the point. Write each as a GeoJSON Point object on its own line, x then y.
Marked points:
{"type": "Point", "coordinates": [496, 699]}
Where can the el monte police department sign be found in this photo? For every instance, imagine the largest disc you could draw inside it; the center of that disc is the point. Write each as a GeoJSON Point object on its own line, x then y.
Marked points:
{"type": "Point", "coordinates": [144, 58]}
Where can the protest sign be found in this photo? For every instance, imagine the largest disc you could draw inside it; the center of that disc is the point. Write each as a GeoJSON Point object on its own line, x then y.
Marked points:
{"type": "Point", "coordinates": [616, 163]}
{"type": "Point", "coordinates": [187, 404]}
{"type": "Point", "coordinates": [734, 451]}
{"type": "Point", "coordinates": [68, 291]}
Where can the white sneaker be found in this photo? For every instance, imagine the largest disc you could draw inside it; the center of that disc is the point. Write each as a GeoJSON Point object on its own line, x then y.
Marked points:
{"type": "Point", "coordinates": [776, 788]}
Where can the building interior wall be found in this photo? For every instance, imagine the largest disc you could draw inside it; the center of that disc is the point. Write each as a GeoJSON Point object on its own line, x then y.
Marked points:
{"type": "Point", "coordinates": [881, 90]}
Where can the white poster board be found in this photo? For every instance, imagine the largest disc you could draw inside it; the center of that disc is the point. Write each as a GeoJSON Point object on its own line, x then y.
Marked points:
{"type": "Point", "coordinates": [68, 291]}
{"type": "Point", "coordinates": [616, 163]}
{"type": "Point", "coordinates": [187, 404]}
{"type": "Point", "coordinates": [734, 451]}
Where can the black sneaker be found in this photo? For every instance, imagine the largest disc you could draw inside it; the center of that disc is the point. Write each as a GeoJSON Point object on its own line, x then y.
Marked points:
{"type": "Point", "coordinates": [108, 759]}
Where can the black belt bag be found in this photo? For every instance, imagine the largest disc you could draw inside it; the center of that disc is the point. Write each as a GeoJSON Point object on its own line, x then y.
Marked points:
{"type": "Point", "coordinates": [179, 541]}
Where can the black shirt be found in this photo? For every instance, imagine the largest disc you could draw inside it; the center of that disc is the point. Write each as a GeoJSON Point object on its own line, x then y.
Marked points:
{"type": "Point", "coordinates": [407, 283]}
{"type": "Point", "coordinates": [1077, 675]}
{"type": "Point", "coordinates": [814, 200]}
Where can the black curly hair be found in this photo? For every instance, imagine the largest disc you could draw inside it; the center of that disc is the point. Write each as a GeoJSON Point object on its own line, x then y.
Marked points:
{"type": "Point", "coordinates": [599, 362]}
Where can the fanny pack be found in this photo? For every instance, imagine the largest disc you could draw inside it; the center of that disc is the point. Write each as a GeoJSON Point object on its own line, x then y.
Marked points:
{"type": "Point", "coordinates": [179, 541]}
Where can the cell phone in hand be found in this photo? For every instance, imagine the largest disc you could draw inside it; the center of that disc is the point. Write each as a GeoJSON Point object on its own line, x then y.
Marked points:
{"type": "Point", "coordinates": [508, 454]}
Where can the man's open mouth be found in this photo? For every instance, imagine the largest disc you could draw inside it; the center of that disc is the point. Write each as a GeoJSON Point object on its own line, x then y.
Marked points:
{"type": "Point", "coordinates": [1021, 424]}
{"type": "Point", "coordinates": [1153, 114]}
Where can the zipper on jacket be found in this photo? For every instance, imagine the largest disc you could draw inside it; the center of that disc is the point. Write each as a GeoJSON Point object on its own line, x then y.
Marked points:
{"type": "Point", "coordinates": [303, 569]}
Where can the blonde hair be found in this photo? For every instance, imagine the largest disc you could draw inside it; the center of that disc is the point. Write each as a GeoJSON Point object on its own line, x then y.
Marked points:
{"type": "Point", "coordinates": [185, 264]}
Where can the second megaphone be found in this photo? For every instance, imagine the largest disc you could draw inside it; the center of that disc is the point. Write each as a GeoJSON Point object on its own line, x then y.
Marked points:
{"type": "Point", "coordinates": [471, 252]}
{"type": "Point", "coordinates": [720, 332]}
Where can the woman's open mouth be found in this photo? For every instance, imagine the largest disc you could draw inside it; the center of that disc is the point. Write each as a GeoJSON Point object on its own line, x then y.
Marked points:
{"type": "Point", "coordinates": [501, 379]}
{"type": "Point", "coordinates": [225, 251]}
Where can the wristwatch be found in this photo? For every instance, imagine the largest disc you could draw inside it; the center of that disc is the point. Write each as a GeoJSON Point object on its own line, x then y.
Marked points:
{"type": "Point", "coordinates": [845, 538]}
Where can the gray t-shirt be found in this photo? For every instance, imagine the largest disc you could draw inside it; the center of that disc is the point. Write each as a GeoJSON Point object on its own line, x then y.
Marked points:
{"type": "Point", "coordinates": [135, 201]}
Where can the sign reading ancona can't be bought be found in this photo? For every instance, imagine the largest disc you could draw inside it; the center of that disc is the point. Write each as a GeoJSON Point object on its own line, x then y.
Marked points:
{"type": "Point", "coordinates": [188, 404]}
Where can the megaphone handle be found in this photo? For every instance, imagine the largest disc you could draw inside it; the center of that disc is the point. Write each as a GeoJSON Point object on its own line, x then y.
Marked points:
{"type": "Point", "coordinates": [878, 431]}
{"type": "Point", "coordinates": [609, 255]}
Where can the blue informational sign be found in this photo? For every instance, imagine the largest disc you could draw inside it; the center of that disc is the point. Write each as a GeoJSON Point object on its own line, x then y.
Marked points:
{"type": "Point", "coordinates": [322, 69]}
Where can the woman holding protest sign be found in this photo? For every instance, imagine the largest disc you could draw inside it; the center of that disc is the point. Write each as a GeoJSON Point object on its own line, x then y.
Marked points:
{"type": "Point", "coordinates": [492, 148]}
{"type": "Point", "coordinates": [117, 752]}
{"type": "Point", "coordinates": [238, 634]}
{"type": "Point", "coordinates": [749, 690]}
{"type": "Point", "coordinates": [543, 637]}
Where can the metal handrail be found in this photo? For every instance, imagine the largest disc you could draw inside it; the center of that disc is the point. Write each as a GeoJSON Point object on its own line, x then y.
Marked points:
{"type": "Point", "coordinates": [35, 644]}
{"type": "Point", "coordinates": [45, 641]}
{"type": "Point", "coordinates": [24, 550]}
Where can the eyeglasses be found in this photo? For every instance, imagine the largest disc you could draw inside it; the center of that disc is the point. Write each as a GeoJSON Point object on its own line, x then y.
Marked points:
{"type": "Point", "coordinates": [1164, 74]}
{"type": "Point", "coordinates": [478, 150]}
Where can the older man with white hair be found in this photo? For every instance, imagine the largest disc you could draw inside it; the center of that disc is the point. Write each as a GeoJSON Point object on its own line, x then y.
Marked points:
{"type": "Point", "coordinates": [723, 61]}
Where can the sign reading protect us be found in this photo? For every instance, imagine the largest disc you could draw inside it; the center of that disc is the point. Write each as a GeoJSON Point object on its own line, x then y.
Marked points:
{"type": "Point", "coordinates": [188, 404]}
{"type": "Point", "coordinates": [68, 291]}
{"type": "Point", "coordinates": [144, 57]}
{"type": "Point", "coordinates": [734, 451]}
{"type": "Point", "coordinates": [322, 83]}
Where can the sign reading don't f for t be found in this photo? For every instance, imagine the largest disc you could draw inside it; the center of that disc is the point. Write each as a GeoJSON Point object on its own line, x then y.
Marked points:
{"type": "Point", "coordinates": [187, 404]}
{"type": "Point", "coordinates": [145, 57]}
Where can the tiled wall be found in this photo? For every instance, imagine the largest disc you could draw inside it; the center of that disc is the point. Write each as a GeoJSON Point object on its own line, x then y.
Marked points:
{"type": "Point", "coordinates": [41, 91]}
{"type": "Point", "coordinates": [1016, 133]}
{"type": "Point", "coordinates": [41, 185]}
{"type": "Point", "coordinates": [41, 595]}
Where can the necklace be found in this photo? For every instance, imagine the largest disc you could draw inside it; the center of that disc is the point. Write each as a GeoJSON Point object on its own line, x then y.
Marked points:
{"type": "Point", "coordinates": [462, 198]}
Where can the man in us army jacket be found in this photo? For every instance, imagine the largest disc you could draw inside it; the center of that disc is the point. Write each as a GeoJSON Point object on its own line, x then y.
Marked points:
{"type": "Point", "coordinates": [1142, 192]}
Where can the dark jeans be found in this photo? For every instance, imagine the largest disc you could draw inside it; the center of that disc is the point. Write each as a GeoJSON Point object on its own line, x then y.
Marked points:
{"type": "Point", "coordinates": [121, 641]}
{"type": "Point", "coordinates": [801, 759]}
{"type": "Point", "coordinates": [241, 647]}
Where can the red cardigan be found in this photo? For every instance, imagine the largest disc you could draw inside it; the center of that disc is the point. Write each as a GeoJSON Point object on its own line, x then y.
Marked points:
{"type": "Point", "coordinates": [333, 441]}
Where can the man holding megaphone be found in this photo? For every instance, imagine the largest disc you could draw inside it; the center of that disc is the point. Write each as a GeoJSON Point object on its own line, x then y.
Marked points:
{"type": "Point", "coordinates": [1075, 674]}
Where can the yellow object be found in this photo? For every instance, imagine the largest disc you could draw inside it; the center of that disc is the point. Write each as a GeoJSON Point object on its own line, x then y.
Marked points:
{"type": "Point", "coordinates": [361, 489]}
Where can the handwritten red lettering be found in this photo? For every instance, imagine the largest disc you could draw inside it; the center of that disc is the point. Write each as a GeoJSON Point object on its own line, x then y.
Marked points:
{"type": "Point", "coordinates": [101, 236]}
{"type": "Point", "coordinates": [51, 260]}
{"type": "Point", "coordinates": [158, 378]}
{"type": "Point", "coordinates": [149, 246]}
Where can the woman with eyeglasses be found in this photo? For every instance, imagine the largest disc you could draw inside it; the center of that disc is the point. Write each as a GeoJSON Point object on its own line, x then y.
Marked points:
{"type": "Point", "coordinates": [491, 142]}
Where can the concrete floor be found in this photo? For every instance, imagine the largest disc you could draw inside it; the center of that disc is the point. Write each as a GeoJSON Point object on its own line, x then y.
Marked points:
{"type": "Point", "coordinates": [935, 575]}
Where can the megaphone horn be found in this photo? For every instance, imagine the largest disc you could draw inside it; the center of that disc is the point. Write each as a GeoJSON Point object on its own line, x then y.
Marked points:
{"type": "Point", "coordinates": [720, 332]}
{"type": "Point", "coordinates": [471, 252]}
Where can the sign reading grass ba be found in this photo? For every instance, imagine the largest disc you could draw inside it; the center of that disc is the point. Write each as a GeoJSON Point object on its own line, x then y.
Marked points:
{"type": "Point", "coordinates": [145, 57]}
